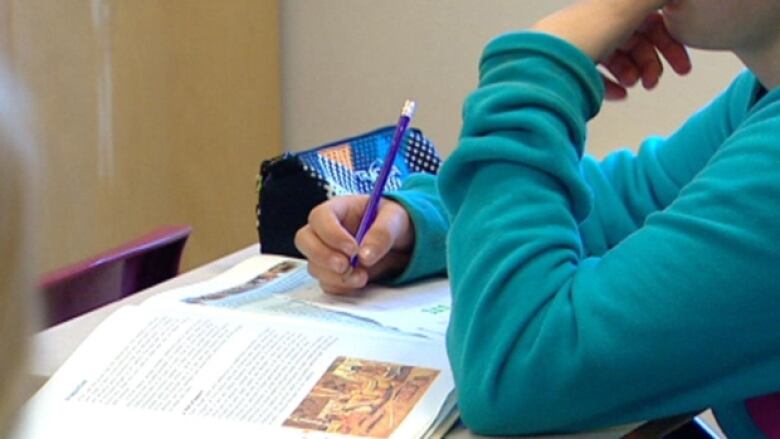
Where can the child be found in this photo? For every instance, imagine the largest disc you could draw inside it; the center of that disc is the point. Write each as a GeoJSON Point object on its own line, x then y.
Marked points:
{"type": "Point", "coordinates": [587, 293]}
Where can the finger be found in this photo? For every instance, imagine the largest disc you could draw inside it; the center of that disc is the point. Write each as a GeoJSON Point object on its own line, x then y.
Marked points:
{"type": "Point", "coordinates": [326, 221]}
{"type": "Point", "coordinates": [622, 67]}
{"type": "Point", "coordinates": [671, 50]}
{"type": "Point", "coordinates": [357, 278]}
{"type": "Point", "coordinates": [317, 252]}
{"type": "Point", "coordinates": [630, 43]}
{"type": "Point", "coordinates": [385, 234]}
{"type": "Point", "coordinates": [613, 91]}
{"type": "Point", "coordinates": [392, 264]}
{"type": "Point", "coordinates": [337, 290]}
{"type": "Point", "coordinates": [646, 59]}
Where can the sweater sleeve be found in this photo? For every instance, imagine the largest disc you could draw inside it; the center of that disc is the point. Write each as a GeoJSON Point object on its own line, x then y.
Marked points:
{"type": "Point", "coordinates": [543, 338]}
{"type": "Point", "coordinates": [420, 198]}
{"type": "Point", "coordinates": [628, 186]}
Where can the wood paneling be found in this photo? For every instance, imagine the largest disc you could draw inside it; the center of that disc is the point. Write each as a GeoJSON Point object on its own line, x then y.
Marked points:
{"type": "Point", "coordinates": [148, 112]}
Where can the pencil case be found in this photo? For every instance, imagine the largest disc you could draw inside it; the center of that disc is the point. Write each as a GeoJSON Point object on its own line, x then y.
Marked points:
{"type": "Point", "coordinates": [290, 185]}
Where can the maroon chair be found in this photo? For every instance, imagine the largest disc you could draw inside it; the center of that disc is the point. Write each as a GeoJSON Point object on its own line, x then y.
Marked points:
{"type": "Point", "coordinates": [117, 273]}
{"type": "Point", "coordinates": [765, 411]}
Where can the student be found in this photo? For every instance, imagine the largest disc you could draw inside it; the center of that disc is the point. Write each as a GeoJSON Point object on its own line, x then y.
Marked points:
{"type": "Point", "coordinates": [587, 293]}
{"type": "Point", "coordinates": [15, 255]}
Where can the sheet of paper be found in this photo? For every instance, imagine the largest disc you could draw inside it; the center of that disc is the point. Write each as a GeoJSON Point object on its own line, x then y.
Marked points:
{"type": "Point", "coordinates": [282, 286]}
{"type": "Point", "coordinates": [422, 308]}
{"type": "Point", "coordinates": [196, 372]}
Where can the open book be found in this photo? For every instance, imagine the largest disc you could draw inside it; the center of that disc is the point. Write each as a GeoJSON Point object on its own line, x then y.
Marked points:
{"type": "Point", "coordinates": [258, 351]}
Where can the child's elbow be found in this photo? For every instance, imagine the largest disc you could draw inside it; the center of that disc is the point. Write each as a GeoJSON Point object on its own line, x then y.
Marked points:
{"type": "Point", "coordinates": [494, 411]}
{"type": "Point", "coordinates": [528, 400]}
{"type": "Point", "coordinates": [482, 417]}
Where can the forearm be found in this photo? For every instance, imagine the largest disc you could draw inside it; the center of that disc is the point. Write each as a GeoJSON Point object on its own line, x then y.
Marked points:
{"type": "Point", "coordinates": [609, 23]}
{"type": "Point", "coordinates": [628, 187]}
{"type": "Point", "coordinates": [515, 198]}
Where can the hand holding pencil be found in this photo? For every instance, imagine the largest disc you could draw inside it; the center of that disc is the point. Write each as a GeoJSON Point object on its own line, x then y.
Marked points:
{"type": "Point", "coordinates": [341, 256]}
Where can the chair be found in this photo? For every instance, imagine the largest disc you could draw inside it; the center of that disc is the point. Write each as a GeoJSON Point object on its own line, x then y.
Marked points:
{"type": "Point", "coordinates": [117, 273]}
{"type": "Point", "coordinates": [765, 410]}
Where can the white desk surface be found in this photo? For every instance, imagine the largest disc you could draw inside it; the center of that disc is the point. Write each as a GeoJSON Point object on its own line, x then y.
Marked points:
{"type": "Point", "coordinates": [54, 345]}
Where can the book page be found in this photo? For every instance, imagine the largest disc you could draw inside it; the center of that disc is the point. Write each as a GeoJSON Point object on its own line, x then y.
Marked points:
{"type": "Point", "coordinates": [263, 285]}
{"type": "Point", "coordinates": [282, 286]}
{"type": "Point", "coordinates": [422, 308]}
{"type": "Point", "coordinates": [196, 372]}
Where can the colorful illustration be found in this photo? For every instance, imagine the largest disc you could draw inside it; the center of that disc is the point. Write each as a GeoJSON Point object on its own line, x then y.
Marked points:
{"type": "Point", "coordinates": [362, 398]}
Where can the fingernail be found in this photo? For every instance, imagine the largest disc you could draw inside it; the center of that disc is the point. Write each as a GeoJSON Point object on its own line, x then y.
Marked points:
{"type": "Point", "coordinates": [368, 255]}
{"type": "Point", "coordinates": [355, 279]}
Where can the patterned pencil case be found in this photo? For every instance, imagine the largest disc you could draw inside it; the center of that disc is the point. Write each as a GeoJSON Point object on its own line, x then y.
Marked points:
{"type": "Point", "coordinates": [290, 185]}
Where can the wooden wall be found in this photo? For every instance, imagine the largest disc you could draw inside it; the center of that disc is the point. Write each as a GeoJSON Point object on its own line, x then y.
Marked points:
{"type": "Point", "coordinates": [147, 113]}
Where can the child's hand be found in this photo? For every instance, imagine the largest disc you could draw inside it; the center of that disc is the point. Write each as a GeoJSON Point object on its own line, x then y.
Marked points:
{"type": "Point", "coordinates": [328, 243]}
{"type": "Point", "coordinates": [638, 58]}
{"type": "Point", "coordinates": [626, 36]}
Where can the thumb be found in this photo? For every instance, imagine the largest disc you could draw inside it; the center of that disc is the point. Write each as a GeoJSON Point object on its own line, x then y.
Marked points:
{"type": "Point", "coordinates": [390, 231]}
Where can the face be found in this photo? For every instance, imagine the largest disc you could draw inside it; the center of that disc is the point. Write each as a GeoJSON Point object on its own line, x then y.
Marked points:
{"type": "Point", "coordinates": [735, 25]}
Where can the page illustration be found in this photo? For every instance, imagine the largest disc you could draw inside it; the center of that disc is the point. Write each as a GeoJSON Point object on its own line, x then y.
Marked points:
{"type": "Point", "coordinates": [362, 398]}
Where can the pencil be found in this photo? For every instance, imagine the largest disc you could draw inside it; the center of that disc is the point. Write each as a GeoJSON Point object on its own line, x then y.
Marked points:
{"type": "Point", "coordinates": [379, 186]}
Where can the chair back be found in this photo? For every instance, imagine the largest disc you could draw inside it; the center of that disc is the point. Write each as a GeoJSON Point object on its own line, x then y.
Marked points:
{"type": "Point", "coordinates": [110, 276]}
{"type": "Point", "coordinates": [765, 411]}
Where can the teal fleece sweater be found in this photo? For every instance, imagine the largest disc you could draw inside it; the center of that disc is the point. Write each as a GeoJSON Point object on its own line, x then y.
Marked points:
{"type": "Point", "coordinates": [587, 293]}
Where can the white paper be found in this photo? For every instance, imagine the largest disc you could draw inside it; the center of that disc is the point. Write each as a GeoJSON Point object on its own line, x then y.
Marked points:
{"type": "Point", "coordinates": [282, 286]}
{"type": "Point", "coordinates": [422, 308]}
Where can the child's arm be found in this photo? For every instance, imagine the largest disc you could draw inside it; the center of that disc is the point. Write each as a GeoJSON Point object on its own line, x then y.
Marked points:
{"type": "Point", "coordinates": [627, 37]}
{"type": "Point", "coordinates": [632, 186]}
{"type": "Point", "coordinates": [628, 186]}
{"type": "Point", "coordinates": [598, 27]}
{"type": "Point", "coordinates": [679, 316]}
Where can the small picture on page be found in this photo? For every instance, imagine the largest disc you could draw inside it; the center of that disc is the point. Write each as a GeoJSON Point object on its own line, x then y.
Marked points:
{"type": "Point", "coordinates": [362, 398]}
{"type": "Point", "coordinates": [255, 284]}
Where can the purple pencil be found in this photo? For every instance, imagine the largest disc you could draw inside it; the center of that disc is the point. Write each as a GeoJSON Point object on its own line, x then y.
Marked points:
{"type": "Point", "coordinates": [376, 195]}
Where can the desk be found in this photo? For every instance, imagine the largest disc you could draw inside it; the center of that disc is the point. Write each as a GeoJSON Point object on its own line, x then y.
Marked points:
{"type": "Point", "coordinates": [54, 345]}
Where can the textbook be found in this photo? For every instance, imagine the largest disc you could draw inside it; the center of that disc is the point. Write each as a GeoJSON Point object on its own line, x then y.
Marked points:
{"type": "Point", "coordinates": [258, 351]}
